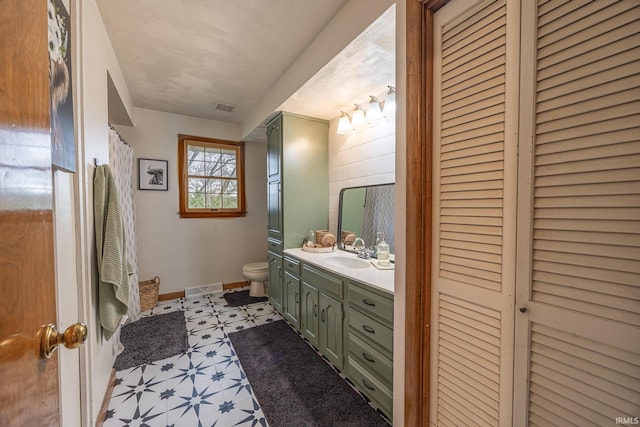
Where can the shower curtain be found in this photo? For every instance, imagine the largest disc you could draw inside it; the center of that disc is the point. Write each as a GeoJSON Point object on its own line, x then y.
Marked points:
{"type": "Point", "coordinates": [379, 207]}
{"type": "Point", "coordinates": [121, 165]}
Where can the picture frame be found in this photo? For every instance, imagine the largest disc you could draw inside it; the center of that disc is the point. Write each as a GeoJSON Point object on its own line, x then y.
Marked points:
{"type": "Point", "coordinates": [153, 174]}
{"type": "Point", "coordinates": [63, 144]}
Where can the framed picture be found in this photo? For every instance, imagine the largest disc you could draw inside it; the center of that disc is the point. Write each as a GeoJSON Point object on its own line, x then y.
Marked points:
{"type": "Point", "coordinates": [152, 174]}
{"type": "Point", "coordinates": [63, 144]}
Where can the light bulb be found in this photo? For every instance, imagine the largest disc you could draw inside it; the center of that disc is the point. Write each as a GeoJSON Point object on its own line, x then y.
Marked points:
{"type": "Point", "coordinates": [344, 124]}
{"type": "Point", "coordinates": [390, 102]}
{"type": "Point", "coordinates": [374, 109]}
{"type": "Point", "coordinates": [358, 118]}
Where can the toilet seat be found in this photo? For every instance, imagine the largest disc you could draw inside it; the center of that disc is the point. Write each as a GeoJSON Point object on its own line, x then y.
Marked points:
{"type": "Point", "coordinates": [256, 267]}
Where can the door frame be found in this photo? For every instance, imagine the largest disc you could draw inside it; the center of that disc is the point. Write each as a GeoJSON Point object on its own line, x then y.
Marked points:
{"type": "Point", "coordinates": [419, 34]}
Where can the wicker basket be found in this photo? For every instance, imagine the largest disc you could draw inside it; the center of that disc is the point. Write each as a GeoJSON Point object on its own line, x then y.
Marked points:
{"type": "Point", "coordinates": [320, 234]}
{"type": "Point", "coordinates": [347, 237]}
{"type": "Point", "coordinates": [149, 290]}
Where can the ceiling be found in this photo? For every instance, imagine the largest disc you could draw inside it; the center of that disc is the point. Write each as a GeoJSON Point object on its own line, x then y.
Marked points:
{"type": "Point", "coordinates": [188, 56]}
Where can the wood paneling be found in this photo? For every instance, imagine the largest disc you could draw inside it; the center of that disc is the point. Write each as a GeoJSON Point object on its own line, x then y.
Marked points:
{"type": "Point", "coordinates": [29, 392]}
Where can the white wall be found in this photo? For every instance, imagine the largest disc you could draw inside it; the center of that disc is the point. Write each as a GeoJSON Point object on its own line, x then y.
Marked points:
{"type": "Point", "coordinates": [354, 17]}
{"type": "Point", "coordinates": [365, 156]}
{"type": "Point", "coordinates": [399, 361]}
{"type": "Point", "coordinates": [95, 59]}
{"type": "Point", "coordinates": [189, 252]}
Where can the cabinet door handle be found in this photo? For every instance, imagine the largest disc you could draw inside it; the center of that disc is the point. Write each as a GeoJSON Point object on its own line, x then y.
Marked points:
{"type": "Point", "coordinates": [369, 329]}
{"type": "Point", "coordinates": [322, 315]}
{"type": "Point", "coordinates": [315, 310]}
{"type": "Point", "coordinates": [297, 299]}
{"type": "Point", "coordinates": [364, 383]}
{"type": "Point", "coordinates": [369, 303]}
{"type": "Point", "coordinates": [368, 358]}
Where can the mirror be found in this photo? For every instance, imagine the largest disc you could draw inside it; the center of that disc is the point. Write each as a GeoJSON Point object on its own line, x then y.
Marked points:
{"type": "Point", "coordinates": [363, 212]}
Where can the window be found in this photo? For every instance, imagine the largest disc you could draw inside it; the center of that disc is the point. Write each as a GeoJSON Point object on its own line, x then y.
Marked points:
{"type": "Point", "coordinates": [211, 177]}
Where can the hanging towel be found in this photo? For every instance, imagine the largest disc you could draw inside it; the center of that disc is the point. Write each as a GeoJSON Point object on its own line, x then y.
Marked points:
{"type": "Point", "coordinates": [113, 293]}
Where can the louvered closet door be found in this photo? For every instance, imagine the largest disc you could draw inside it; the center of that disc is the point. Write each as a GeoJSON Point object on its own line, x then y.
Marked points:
{"type": "Point", "coordinates": [475, 122]}
{"type": "Point", "coordinates": [578, 278]}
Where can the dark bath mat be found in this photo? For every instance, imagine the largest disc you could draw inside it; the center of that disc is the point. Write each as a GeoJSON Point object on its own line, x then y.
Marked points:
{"type": "Point", "coordinates": [294, 386]}
{"type": "Point", "coordinates": [236, 299]}
{"type": "Point", "coordinates": [152, 338]}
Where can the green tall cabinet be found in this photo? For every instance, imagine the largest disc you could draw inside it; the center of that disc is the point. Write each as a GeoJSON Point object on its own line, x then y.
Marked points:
{"type": "Point", "coordinates": [297, 189]}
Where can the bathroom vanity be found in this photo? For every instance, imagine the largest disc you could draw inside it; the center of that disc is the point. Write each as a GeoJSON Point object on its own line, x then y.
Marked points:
{"type": "Point", "coordinates": [341, 304]}
{"type": "Point", "coordinates": [344, 306]}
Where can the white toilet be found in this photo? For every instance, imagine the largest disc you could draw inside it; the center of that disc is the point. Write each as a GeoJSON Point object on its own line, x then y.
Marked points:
{"type": "Point", "coordinates": [257, 273]}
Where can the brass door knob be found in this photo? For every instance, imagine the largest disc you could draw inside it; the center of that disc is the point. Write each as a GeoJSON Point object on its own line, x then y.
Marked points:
{"type": "Point", "coordinates": [73, 337]}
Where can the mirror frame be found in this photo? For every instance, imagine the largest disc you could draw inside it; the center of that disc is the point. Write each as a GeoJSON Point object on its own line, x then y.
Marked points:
{"type": "Point", "coordinates": [339, 230]}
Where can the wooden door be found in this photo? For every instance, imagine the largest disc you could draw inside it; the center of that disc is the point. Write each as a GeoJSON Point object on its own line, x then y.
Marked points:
{"type": "Point", "coordinates": [29, 394]}
{"type": "Point", "coordinates": [578, 281]}
{"type": "Point", "coordinates": [475, 118]}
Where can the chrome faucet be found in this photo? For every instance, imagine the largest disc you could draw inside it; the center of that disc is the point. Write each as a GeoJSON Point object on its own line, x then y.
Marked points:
{"type": "Point", "coordinates": [363, 252]}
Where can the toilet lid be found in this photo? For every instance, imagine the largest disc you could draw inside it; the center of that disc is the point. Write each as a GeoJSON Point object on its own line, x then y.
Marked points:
{"type": "Point", "coordinates": [256, 266]}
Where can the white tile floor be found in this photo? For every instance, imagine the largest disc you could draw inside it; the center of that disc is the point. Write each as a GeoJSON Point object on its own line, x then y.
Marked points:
{"type": "Point", "coordinates": [205, 386]}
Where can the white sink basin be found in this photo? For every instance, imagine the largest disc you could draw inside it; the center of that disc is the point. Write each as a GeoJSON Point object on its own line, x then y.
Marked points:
{"type": "Point", "coordinates": [347, 262]}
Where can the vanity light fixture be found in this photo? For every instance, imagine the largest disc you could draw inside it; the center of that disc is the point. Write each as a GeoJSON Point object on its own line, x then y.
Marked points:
{"type": "Point", "coordinates": [344, 124]}
{"type": "Point", "coordinates": [390, 101]}
{"type": "Point", "coordinates": [374, 109]}
{"type": "Point", "coordinates": [358, 118]}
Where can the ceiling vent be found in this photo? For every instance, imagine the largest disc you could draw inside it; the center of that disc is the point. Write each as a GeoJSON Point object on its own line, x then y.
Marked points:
{"type": "Point", "coordinates": [224, 106]}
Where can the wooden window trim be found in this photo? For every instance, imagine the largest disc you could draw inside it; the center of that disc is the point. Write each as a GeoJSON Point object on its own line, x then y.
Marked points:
{"type": "Point", "coordinates": [185, 212]}
{"type": "Point", "coordinates": [419, 62]}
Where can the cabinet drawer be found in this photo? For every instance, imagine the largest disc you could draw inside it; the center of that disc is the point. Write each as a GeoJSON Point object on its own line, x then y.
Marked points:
{"type": "Point", "coordinates": [371, 302]}
{"type": "Point", "coordinates": [372, 330]}
{"type": "Point", "coordinates": [326, 282]}
{"type": "Point", "coordinates": [370, 386]}
{"type": "Point", "coordinates": [372, 360]}
{"type": "Point", "coordinates": [292, 266]}
{"type": "Point", "coordinates": [274, 245]}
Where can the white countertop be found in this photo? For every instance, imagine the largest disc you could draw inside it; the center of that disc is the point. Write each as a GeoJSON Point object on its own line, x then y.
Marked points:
{"type": "Point", "coordinates": [381, 279]}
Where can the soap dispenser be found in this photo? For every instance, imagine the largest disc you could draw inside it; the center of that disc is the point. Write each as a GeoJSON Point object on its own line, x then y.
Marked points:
{"type": "Point", "coordinates": [382, 250]}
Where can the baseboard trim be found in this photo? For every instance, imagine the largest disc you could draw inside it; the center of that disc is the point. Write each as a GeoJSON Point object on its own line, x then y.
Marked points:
{"type": "Point", "coordinates": [107, 399]}
{"type": "Point", "coordinates": [180, 294]}
{"type": "Point", "coordinates": [172, 295]}
{"type": "Point", "coordinates": [234, 285]}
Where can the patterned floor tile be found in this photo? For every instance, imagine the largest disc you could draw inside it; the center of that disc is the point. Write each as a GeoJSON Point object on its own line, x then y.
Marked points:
{"type": "Point", "coordinates": [205, 386]}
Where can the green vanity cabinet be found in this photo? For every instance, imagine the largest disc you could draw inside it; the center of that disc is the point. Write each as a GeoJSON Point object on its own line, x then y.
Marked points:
{"type": "Point", "coordinates": [292, 295]}
{"type": "Point", "coordinates": [297, 177]}
{"type": "Point", "coordinates": [292, 291]}
{"type": "Point", "coordinates": [274, 148]}
{"type": "Point", "coordinates": [274, 217]}
{"type": "Point", "coordinates": [309, 313]}
{"type": "Point", "coordinates": [369, 342]}
{"type": "Point", "coordinates": [276, 288]}
{"type": "Point", "coordinates": [322, 314]}
{"type": "Point", "coordinates": [331, 326]}
{"type": "Point", "coordinates": [297, 198]}
{"type": "Point", "coordinates": [349, 322]}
